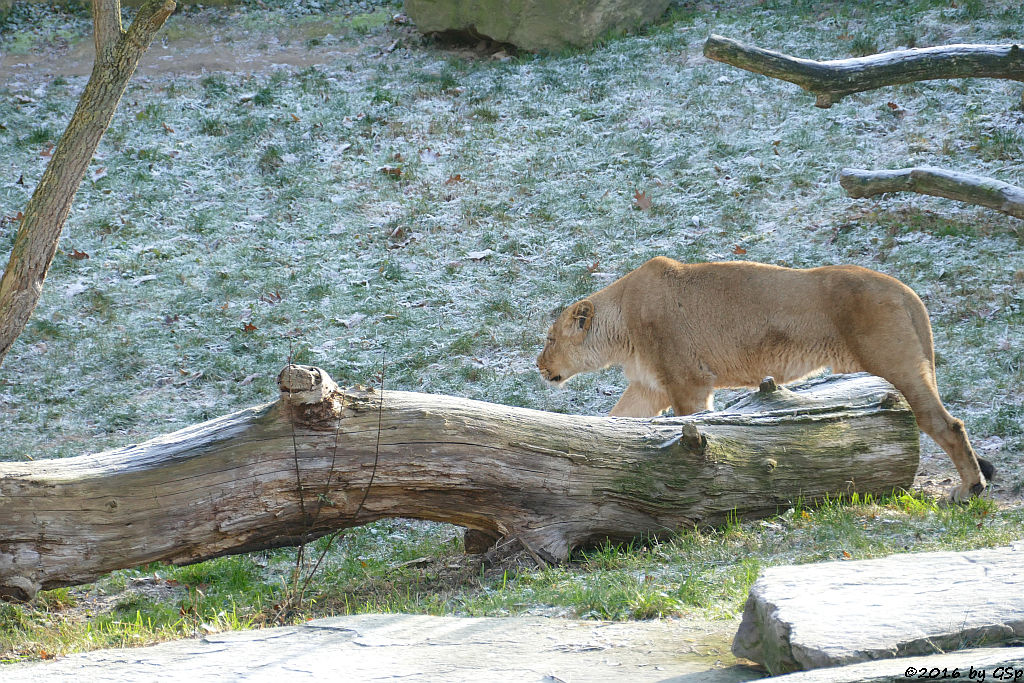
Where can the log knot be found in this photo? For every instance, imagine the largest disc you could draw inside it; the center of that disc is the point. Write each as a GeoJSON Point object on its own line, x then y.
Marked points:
{"type": "Point", "coordinates": [312, 396]}
{"type": "Point", "coordinates": [768, 385]}
{"type": "Point", "coordinates": [693, 440]}
{"type": "Point", "coordinates": [305, 385]}
{"type": "Point", "coordinates": [889, 401]}
{"type": "Point", "coordinates": [769, 465]}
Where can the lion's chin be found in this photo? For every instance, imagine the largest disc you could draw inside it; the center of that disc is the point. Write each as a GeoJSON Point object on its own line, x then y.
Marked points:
{"type": "Point", "coordinates": [557, 380]}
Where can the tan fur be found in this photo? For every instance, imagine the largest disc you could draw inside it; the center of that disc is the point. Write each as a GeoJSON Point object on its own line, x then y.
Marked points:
{"type": "Point", "coordinates": [680, 331]}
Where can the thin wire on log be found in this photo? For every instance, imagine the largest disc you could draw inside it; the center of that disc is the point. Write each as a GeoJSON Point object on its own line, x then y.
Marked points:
{"type": "Point", "coordinates": [373, 473]}
{"type": "Point", "coordinates": [380, 421]}
{"type": "Point", "coordinates": [330, 473]}
{"type": "Point", "coordinates": [295, 446]}
{"type": "Point", "coordinates": [300, 555]}
{"type": "Point", "coordinates": [325, 496]}
{"type": "Point", "coordinates": [298, 474]}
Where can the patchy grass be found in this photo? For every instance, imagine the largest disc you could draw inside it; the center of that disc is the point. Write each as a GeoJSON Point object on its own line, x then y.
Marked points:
{"type": "Point", "coordinates": [29, 27]}
{"type": "Point", "coordinates": [337, 211]}
{"type": "Point", "coordinates": [418, 567]}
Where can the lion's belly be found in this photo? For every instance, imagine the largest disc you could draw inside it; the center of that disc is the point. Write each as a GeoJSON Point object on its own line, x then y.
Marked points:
{"type": "Point", "coordinates": [714, 360]}
{"type": "Point", "coordinates": [783, 372]}
{"type": "Point", "coordinates": [748, 368]}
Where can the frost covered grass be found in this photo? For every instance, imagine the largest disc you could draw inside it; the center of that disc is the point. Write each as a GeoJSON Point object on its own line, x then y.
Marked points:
{"type": "Point", "coordinates": [434, 204]}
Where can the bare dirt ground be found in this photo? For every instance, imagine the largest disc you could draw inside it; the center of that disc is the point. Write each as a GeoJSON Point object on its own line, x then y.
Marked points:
{"type": "Point", "coordinates": [200, 47]}
{"type": "Point", "coordinates": [204, 52]}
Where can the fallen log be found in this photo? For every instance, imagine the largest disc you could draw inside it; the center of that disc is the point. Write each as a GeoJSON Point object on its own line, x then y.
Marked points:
{"type": "Point", "coordinates": [322, 458]}
{"type": "Point", "coordinates": [831, 81]}
{"type": "Point", "coordinates": [962, 187]}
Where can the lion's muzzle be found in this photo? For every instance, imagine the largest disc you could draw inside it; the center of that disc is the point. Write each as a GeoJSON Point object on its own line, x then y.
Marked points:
{"type": "Point", "coordinates": [548, 375]}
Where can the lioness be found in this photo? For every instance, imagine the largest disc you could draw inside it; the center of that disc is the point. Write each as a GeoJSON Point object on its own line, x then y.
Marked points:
{"type": "Point", "coordinates": [682, 330]}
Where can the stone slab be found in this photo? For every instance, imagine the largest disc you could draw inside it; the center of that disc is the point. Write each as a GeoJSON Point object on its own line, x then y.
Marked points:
{"type": "Point", "coordinates": [838, 613]}
{"type": "Point", "coordinates": [376, 647]}
{"type": "Point", "coordinates": [981, 664]}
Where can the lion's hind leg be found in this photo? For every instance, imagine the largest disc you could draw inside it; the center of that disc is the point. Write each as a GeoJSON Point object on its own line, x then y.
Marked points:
{"type": "Point", "coordinates": [947, 431]}
{"type": "Point", "coordinates": [639, 400]}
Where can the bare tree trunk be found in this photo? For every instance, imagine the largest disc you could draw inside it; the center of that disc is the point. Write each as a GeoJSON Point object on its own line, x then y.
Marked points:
{"type": "Point", "coordinates": [832, 80]}
{"type": "Point", "coordinates": [322, 459]}
{"type": "Point", "coordinates": [938, 182]}
{"type": "Point", "coordinates": [117, 54]}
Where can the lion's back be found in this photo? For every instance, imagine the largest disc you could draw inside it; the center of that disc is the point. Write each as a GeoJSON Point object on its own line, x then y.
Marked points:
{"type": "Point", "coordinates": [742, 320]}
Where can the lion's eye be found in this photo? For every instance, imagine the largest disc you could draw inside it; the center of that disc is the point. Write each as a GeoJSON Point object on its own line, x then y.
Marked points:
{"type": "Point", "coordinates": [551, 340]}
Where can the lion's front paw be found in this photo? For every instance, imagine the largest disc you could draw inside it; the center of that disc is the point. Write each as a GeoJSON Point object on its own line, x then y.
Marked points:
{"type": "Point", "coordinates": [964, 492]}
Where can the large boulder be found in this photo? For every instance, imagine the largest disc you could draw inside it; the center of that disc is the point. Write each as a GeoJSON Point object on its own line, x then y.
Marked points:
{"type": "Point", "coordinates": [839, 613]}
{"type": "Point", "coordinates": [534, 24]}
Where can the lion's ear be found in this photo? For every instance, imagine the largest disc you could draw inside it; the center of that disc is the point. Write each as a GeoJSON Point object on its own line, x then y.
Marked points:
{"type": "Point", "coordinates": [583, 314]}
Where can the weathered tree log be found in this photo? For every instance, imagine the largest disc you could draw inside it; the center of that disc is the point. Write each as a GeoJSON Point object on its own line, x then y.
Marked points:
{"type": "Point", "coordinates": [971, 189]}
{"type": "Point", "coordinates": [321, 459]}
{"type": "Point", "coordinates": [833, 80]}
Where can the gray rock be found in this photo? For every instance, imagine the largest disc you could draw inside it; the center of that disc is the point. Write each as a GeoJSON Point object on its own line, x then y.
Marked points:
{"type": "Point", "coordinates": [390, 647]}
{"type": "Point", "coordinates": [982, 664]}
{"type": "Point", "coordinates": [838, 613]}
{"type": "Point", "coordinates": [534, 24]}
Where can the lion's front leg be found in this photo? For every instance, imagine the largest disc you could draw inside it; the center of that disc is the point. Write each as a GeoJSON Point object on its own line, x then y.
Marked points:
{"type": "Point", "coordinates": [639, 400]}
{"type": "Point", "coordinates": [692, 397]}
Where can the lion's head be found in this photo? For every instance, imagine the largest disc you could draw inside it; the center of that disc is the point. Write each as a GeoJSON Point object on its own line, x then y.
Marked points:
{"type": "Point", "coordinates": [566, 352]}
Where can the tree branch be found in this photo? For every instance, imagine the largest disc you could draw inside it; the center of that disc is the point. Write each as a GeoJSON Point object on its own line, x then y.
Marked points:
{"type": "Point", "coordinates": [147, 22]}
{"type": "Point", "coordinates": [937, 182]}
{"type": "Point", "coordinates": [832, 80]}
{"type": "Point", "coordinates": [43, 218]}
{"type": "Point", "coordinates": [106, 21]}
